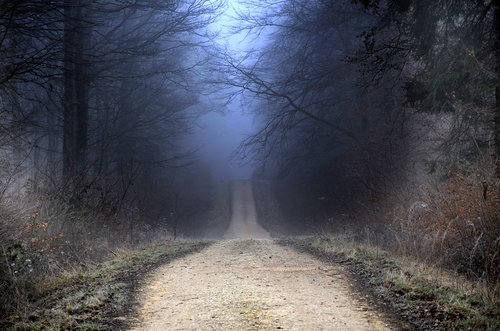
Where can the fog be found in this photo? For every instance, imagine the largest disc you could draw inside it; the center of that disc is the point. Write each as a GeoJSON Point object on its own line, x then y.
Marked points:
{"type": "Point", "coordinates": [337, 111]}
{"type": "Point", "coordinates": [217, 135]}
{"type": "Point", "coordinates": [240, 136]}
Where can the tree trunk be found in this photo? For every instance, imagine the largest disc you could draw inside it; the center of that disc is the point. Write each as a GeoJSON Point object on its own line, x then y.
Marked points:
{"type": "Point", "coordinates": [75, 92]}
{"type": "Point", "coordinates": [496, 26]}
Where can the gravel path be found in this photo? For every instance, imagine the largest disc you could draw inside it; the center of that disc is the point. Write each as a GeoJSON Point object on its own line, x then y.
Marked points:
{"type": "Point", "coordinates": [251, 284]}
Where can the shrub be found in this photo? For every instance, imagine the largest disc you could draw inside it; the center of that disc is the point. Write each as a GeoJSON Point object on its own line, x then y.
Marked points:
{"type": "Point", "coordinates": [456, 224]}
{"type": "Point", "coordinates": [465, 211]}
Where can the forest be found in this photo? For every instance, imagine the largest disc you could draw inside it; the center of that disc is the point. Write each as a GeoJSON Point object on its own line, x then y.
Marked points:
{"type": "Point", "coordinates": [376, 122]}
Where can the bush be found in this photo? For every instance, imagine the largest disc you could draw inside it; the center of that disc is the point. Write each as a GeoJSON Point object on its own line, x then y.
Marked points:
{"type": "Point", "coordinates": [16, 270]}
{"type": "Point", "coordinates": [41, 238]}
{"type": "Point", "coordinates": [456, 224]}
{"type": "Point", "coordinates": [465, 212]}
{"type": "Point", "coordinates": [6, 281]}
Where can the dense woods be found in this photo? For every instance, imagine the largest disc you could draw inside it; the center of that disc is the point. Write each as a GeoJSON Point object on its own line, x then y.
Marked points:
{"type": "Point", "coordinates": [94, 98]}
{"type": "Point", "coordinates": [382, 118]}
{"type": "Point", "coordinates": [377, 119]}
{"type": "Point", "coordinates": [94, 91]}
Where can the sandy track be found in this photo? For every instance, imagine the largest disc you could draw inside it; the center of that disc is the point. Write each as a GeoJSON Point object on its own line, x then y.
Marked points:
{"type": "Point", "coordinates": [244, 217]}
{"type": "Point", "coordinates": [251, 284]}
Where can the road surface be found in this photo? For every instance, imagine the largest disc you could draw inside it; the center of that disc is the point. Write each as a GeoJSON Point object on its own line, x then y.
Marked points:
{"type": "Point", "coordinates": [248, 282]}
{"type": "Point", "coordinates": [244, 216]}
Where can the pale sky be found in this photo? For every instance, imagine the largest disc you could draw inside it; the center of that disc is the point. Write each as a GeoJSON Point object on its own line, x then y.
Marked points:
{"type": "Point", "coordinates": [218, 134]}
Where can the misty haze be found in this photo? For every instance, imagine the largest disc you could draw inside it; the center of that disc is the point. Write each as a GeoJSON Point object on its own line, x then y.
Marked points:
{"type": "Point", "coordinates": [250, 165]}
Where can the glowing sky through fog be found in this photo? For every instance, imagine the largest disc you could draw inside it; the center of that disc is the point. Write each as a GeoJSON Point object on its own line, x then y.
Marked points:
{"type": "Point", "coordinates": [218, 134]}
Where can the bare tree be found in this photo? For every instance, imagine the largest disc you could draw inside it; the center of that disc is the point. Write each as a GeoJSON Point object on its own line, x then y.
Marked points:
{"type": "Point", "coordinates": [320, 120]}
{"type": "Point", "coordinates": [94, 94]}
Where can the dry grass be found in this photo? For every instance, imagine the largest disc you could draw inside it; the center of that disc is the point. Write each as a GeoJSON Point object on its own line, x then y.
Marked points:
{"type": "Point", "coordinates": [48, 234]}
{"type": "Point", "coordinates": [49, 240]}
{"type": "Point", "coordinates": [454, 225]}
{"type": "Point", "coordinates": [94, 298]}
{"type": "Point", "coordinates": [430, 298]}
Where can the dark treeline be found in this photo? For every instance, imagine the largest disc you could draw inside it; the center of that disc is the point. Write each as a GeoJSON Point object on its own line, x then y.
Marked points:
{"type": "Point", "coordinates": [94, 107]}
{"type": "Point", "coordinates": [381, 116]}
{"type": "Point", "coordinates": [94, 96]}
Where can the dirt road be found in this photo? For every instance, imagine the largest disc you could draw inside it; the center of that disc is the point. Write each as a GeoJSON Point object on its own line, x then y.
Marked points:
{"type": "Point", "coordinates": [244, 216]}
{"type": "Point", "coordinates": [251, 284]}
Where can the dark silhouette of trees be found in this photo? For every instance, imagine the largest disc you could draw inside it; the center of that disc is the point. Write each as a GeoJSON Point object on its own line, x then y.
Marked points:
{"type": "Point", "coordinates": [343, 86]}
{"type": "Point", "coordinates": [496, 25]}
{"type": "Point", "coordinates": [76, 87]}
{"type": "Point", "coordinates": [334, 135]}
{"type": "Point", "coordinates": [94, 92]}
{"type": "Point", "coordinates": [448, 51]}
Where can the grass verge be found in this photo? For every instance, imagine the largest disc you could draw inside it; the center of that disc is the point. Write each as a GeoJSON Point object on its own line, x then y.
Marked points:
{"type": "Point", "coordinates": [428, 298]}
{"type": "Point", "coordinates": [98, 298]}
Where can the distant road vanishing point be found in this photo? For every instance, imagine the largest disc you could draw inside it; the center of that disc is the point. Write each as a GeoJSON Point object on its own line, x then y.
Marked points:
{"type": "Point", "coordinates": [244, 216]}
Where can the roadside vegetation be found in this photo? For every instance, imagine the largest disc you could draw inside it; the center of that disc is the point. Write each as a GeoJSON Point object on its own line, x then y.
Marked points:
{"type": "Point", "coordinates": [63, 267]}
{"type": "Point", "coordinates": [426, 296]}
{"type": "Point", "coordinates": [433, 262]}
{"type": "Point", "coordinates": [90, 297]}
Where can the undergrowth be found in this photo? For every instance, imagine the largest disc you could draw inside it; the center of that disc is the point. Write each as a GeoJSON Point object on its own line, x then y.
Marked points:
{"type": "Point", "coordinates": [455, 224]}
{"type": "Point", "coordinates": [96, 298]}
{"type": "Point", "coordinates": [430, 298]}
{"type": "Point", "coordinates": [45, 236]}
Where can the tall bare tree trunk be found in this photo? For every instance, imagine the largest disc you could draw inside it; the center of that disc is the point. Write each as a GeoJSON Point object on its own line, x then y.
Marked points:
{"type": "Point", "coordinates": [76, 88]}
{"type": "Point", "coordinates": [496, 26]}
